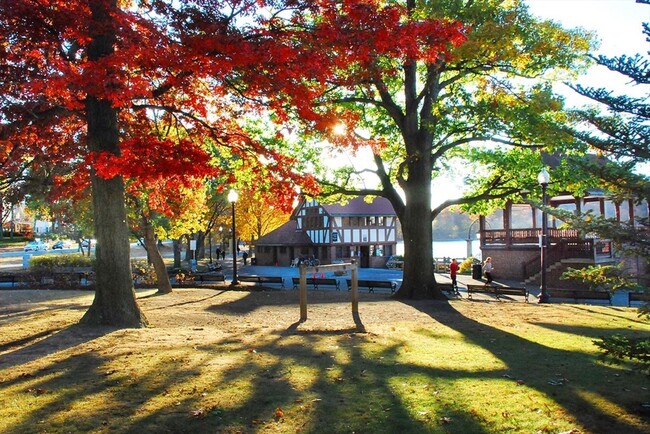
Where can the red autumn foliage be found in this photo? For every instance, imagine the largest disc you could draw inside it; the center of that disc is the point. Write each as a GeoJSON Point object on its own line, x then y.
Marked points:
{"type": "Point", "coordinates": [192, 70]}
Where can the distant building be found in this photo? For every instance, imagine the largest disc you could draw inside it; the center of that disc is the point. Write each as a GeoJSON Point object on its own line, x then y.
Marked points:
{"type": "Point", "coordinates": [357, 230]}
{"type": "Point", "coordinates": [511, 236]}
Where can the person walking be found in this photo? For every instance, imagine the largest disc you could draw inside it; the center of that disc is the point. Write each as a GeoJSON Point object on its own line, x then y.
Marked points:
{"type": "Point", "coordinates": [488, 268]}
{"type": "Point", "coordinates": [453, 271]}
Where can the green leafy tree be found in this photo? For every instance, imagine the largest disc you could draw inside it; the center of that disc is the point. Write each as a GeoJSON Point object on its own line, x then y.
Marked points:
{"type": "Point", "coordinates": [472, 78]}
{"type": "Point", "coordinates": [618, 128]}
{"type": "Point", "coordinates": [621, 133]}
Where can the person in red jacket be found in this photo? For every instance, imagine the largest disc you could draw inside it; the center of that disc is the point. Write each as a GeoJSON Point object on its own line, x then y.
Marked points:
{"type": "Point", "coordinates": [453, 270]}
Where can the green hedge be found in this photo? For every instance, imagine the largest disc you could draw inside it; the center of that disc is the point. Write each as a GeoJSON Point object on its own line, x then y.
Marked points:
{"type": "Point", "coordinates": [50, 262]}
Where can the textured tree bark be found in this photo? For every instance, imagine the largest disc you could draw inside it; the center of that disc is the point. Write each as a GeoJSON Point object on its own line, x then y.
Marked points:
{"type": "Point", "coordinates": [415, 215]}
{"type": "Point", "coordinates": [419, 279]}
{"type": "Point", "coordinates": [162, 278]}
{"type": "Point", "coordinates": [114, 303]}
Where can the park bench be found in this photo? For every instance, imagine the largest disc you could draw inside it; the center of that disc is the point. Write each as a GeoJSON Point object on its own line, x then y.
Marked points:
{"type": "Point", "coordinates": [640, 297]}
{"type": "Point", "coordinates": [317, 281]}
{"type": "Point", "coordinates": [497, 291]}
{"type": "Point", "coordinates": [580, 294]}
{"type": "Point", "coordinates": [82, 275]}
{"type": "Point", "coordinates": [448, 287]}
{"type": "Point", "coordinates": [372, 284]}
{"type": "Point", "coordinates": [262, 280]}
{"type": "Point", "coordinates": [207, 278]}
{"type": "Point", "coordinates": [214, 266]}
{"type": "Point", "coordinates": [8, 278]}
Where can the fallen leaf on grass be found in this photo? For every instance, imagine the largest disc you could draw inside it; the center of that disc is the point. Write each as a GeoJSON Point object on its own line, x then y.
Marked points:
{"type": "Point", "coordinates": [38, 391]}
{"type": "Point", "coordinates": [279, 413]}
{"type": "Point", "coordinates": [199, 414]}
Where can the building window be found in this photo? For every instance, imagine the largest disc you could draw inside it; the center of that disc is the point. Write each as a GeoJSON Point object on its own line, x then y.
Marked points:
{"type": "Point", "coordinates": [624, 209]}
{"type": "Point", "coordinates": [640, 211]}
{"type": "Point", "coordinates": [495, 220]}
{"type": "Point", "coordinates": [593, 206]}
{"type": "Point", "coordinates": [610, 209]}
{"type": "Point", "coordinates": [521, 217]}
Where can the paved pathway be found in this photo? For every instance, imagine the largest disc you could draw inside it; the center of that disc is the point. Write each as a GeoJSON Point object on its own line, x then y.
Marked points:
{"type": "Point", "coordinates": [618, 299]}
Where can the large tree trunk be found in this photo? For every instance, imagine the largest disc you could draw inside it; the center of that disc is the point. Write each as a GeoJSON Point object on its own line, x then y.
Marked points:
{"type": "Point", "coordinates": [114, 302]}
{"type": "Point", "coordinates": [162, 278]}
{"type": "Point", "coordinates": [177, 253]}
{"type": "Point", "coordinates": [415, 216]}
{"type": "Point", "coordinates": [419, 279]}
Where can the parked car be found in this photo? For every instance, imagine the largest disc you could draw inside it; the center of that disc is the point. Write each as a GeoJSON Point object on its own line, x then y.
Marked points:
{"type": "Point", "coordinates": [61, 245]}
{"type": "Point", "coordinates": [84, 243]}
{"type": "Point", "coordinates": [395, 262]}
{"type": "Point", "coordinates": [35, 246]}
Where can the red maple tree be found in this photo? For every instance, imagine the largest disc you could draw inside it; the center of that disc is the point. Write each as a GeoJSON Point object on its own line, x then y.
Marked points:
{"type": "Point", "coordinates": [92, 85]}
{"type": "Point", "coordinates": [97, 84]}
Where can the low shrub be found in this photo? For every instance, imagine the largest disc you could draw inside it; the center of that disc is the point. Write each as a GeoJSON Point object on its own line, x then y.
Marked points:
{"type": "Point", "coordinates": [466, 265]}
{"type": "Point", "coordinates": [51, 262]}
{"type": "Point", "coordinates": [143, 272]}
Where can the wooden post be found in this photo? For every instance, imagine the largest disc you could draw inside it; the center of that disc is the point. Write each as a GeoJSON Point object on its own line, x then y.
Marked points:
{"type": "Point", "coordinates": [355, 288]}
{"type": "Point", "coordinates": [304, 270]}
{"type": "Point", "coordinates": [303, 292]}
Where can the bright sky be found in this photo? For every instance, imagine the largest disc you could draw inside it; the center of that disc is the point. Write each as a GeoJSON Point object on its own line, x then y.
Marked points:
{"type": "Point", "coordinates": [618, 25]}
{"type": "Point", "coordinates": [617, 22]}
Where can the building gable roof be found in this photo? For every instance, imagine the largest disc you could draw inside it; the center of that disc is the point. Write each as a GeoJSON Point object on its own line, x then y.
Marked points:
{"type": "Point", "coordinates": [359, 207]}
{"type": "Point", "coordinates": [285, 235]}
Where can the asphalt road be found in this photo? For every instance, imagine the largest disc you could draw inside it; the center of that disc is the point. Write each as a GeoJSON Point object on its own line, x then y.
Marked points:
{"type": "Point", "coordinates": [13, 259]}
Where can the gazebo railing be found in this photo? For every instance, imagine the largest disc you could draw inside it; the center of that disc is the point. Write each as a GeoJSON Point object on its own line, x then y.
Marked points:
{"type": "Point", "coordinates": [526, 236]}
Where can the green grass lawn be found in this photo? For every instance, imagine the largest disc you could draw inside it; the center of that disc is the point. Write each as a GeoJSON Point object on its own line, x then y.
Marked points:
{"type": "Point", "coordinates": [12, 243]}
{"type": "Point", "coordinates": [239, 362]}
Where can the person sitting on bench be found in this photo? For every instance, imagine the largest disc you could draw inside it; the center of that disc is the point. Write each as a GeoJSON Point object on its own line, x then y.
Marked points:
{"type": "Point", "coordinates": [487, 270]}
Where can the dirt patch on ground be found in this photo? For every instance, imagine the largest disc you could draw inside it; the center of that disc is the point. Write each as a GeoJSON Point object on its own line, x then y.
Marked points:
{"type": "Point", "coordinates": [37, 323]}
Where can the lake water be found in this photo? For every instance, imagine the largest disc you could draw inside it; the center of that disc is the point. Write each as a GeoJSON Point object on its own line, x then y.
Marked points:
{"type": "Point", "coordinates": [451, 249]}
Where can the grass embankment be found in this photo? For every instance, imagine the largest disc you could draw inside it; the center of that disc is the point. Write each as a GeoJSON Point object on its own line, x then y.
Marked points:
{"type": "Point", "coordinates": [226, 361]}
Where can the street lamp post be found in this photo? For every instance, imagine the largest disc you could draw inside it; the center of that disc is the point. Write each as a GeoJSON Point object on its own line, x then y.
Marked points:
{"type": "Point", "coordinates": [543, 178]}
{"type": "Point", "coordinates": [469, 239]}
{"type": "Point", "coordinates": [210, 244]}
{"type": "Point", "coordinates": [232, 198]}
{"type": "Point", "coordinates": [221, 243]}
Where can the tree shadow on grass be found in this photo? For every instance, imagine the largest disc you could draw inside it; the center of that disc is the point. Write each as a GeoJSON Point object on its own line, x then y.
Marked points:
{"type": "Point", "coordinates": [249, 303]}
{"type": "Point", "coordinates": [613, 312]}
{"type": "Point", "coordinates": [47, 342]}
{"type": "Point", "coordinates": [351, 391]}
{"type": "Point", "coordinates": [549, 364]}
{"type": "Point", "coordinates": [234, 384]}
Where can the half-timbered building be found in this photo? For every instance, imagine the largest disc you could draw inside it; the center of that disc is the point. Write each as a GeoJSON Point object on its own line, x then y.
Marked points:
{"type": "Point", "coordinates": [360, 230]}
